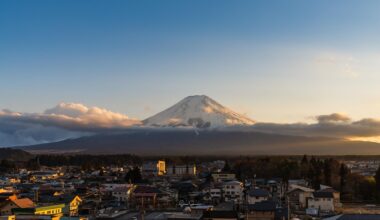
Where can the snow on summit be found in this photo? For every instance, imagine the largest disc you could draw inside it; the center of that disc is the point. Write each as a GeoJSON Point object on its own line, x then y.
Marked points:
{"type": "Point", "coordinates": [197, 111]}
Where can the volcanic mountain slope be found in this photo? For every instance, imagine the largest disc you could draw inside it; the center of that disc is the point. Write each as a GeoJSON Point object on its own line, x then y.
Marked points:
{"type": "Point", "coordinates": [171, 132]}
{"type": "Point", "coordinates": [197, 111]}
{"type": "Point", "coordinates": [14, 154]}
{"type": "Point", "coordinates": [205, 142]}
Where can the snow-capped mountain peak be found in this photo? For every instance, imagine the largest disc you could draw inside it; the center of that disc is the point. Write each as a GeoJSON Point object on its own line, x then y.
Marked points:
{"type": "Point", "coordinates": [198, 111]}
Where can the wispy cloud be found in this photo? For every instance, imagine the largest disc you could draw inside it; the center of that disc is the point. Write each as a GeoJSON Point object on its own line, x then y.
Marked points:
{"type": "Point", "coordinates": [338, 63]}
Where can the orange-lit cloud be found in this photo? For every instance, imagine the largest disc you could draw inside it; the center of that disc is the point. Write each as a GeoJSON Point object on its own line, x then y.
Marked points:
{"type": "Point", "coordinates": [66, 120]}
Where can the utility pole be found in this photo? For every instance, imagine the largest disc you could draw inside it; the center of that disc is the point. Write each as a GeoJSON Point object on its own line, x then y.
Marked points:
{"type": "Point", "coordinates": [288, 205]}
{"type": "Point", "coordinates": [142, 209]}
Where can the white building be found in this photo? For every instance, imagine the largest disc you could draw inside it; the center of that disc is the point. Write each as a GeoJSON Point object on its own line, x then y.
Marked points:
{"type": "Point", "coordinates": [214, 193]}
{"type": "Point", "coordinates": [297, 196]}
{"type": "Point", "coordinates": [233, 191]}
{"type": "Point", "coordinates": [221, 177]}
{"type": "Point", "coordinates": [181, 170]}
{"type": "Point", "coordinates": [323, 201]}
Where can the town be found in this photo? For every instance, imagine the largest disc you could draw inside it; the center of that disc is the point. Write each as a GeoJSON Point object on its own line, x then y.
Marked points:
{"type": "Point", "coordinates": [130, 187]}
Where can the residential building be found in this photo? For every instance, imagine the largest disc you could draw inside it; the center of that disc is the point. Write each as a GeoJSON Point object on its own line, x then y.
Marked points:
{"type": "Point", "coordinates": [257, 195]}
{"type": "Point", "coordinates": [323, 201]}
{"type": "Point", "coordinates": [181, 170]}
{"type": "Point", "coordinates": [233, 191]}
{"type": "Point", "coordinates": [297, 196]}
{"type": "Point", "coordinates": [264, 210]}
{"type": "Point", "coordinates": [222, 177]}
{"type": "Point", "coordinates": [6, 207]}
{"type": "Point", "coordinates": [122, 194]}
{"type": "Point", "coordinates": [52, 210]}
{"type": "Point", "coordinates": [143, 196]}
{"type": "Point", "coordinates": [154, 168]}
{"type": "Point", "coordinates": [336, 195]}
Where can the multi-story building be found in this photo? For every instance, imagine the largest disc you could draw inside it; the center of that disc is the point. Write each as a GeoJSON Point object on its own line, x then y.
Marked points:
{"type": "Point", "coordinates": [233, 191]}
{"type": "Point", "coordinates": [181, 170]}
{"type": "Point", "coordinates": [154, 168]}
{"type": "Point", "coordinates": [323, 201]}
{"type": "Point", "coordinates": [297, 196]}
{"type": "Point", "coordinates": [121, 194]}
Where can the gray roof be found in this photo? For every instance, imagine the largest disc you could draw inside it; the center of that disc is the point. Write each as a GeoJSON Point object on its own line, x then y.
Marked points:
{"type": "Point", "coordinates": [263, 206]}
{"type": "Point", "coordinates": [320, 194]}
{"type": "Point", "coordinates": [258, 193]}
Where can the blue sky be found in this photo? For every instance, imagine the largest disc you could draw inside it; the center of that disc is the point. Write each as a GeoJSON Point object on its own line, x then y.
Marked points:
{"type": "Point", "coordinates": [280, 61]}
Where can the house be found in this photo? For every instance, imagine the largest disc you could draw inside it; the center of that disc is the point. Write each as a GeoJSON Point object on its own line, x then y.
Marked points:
{"type": "Point", "coordinates": [168, 198]}
{"type": "Point", "coordinates": [233, 191]}
{"type": "Point", "coordinates": [297, 196]}
{"type": "Point", "coordinates": [282, 213]}
{"type": "Point", "coordinates": [121, 194]}
{"type": "Point", "coordinates": [214, 194]}
{"type": "Point", "coordinates": [52, 210]}
{"type": "Point", "coordinates": [4, 197]}
{"type": "Point", "coordinates": [323, 201]}
{"type": "Point", "coordinates": [264, 210]}
{"type": "Point", "coordinates": [185, 189]}
{"type": "Point", "coordinates": [71, 202]}
{"type": "Point", "coordinates": [222, 177]}
{"type": "Point", "coordinates": [257, 195]}
{"type": "Point", "coordinates": [210, 192]}
{"type": "Point", "coordinates": [144, 196]}
{"type": "Point", "coordinates": [6, 207]}
{"type": "Point", "coordinates": [336, 195]}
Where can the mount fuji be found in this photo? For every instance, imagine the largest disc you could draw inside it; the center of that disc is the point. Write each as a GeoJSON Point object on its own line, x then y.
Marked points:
{"type": "Point", "coordinates": [198, 111]}
{"type": "Point", "coordinates": [168, 133]}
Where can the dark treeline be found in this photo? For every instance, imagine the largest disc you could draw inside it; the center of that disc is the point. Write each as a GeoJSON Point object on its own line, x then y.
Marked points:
{"type": "Point", "coordinates": [14, 154]}
{"type": "Point", "coordinates": [88, 161]}
{"type": "Point", "coordinates": [317, 171]}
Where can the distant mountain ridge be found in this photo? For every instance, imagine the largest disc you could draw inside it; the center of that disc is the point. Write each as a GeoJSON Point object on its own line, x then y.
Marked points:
{"type": "Point", "coordinates": [198, 125]}
{"type": "Point", "coordinates": [14, 154]}
{"type": "Point", "coordinates": [205, 142]}
{"type": "Point", "coordinates": [198, 111]}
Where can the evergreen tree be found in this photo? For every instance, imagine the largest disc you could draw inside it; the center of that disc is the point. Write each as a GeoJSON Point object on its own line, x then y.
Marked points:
{"type": "Point", "coordinates": [304, 159]}
{"type": "Point", "coordinates": [226, 167]}
{"type": "Point", "coordinates": [377, 178]}
{"type": "Point", "coordinates": [327, 171]}
{"type": "Point", "coordinates": [133, 176]}
{"type": "Point", "coordinates": [343, 176]}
